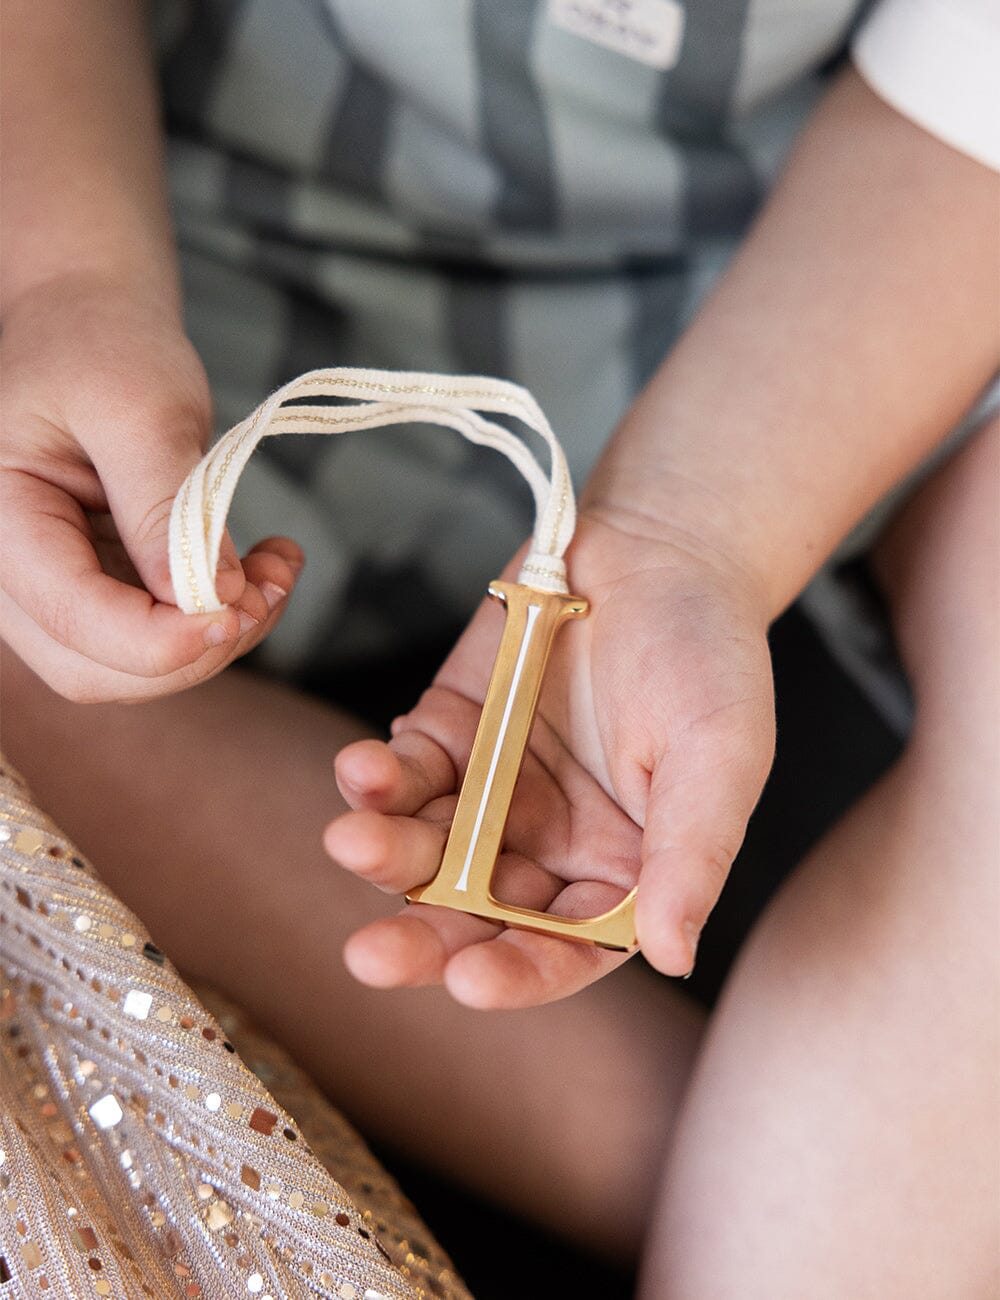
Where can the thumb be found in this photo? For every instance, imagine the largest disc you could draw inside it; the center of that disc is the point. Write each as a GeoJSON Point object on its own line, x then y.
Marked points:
{"type": "Point", "coordinates": [702, 792]}
{"type": "Point", "coordinates": [140, 486]}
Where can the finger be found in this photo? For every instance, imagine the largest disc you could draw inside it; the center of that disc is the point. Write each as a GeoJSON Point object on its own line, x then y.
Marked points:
{"type": "Point", "coordinates": [399, 778]}
{"type": "Point", "coordinates": [414, 769]}
{"type": "Point", "coordinates": [422, 944]}
{"type": "Point", "coordinates": [230, 578]}
{"type": "Point", "coordinates": [273, 567]}
{"type": "Point", "coordinates": [701, 796]}
{"type": "Point", "coordinates": [524, 968]}
{"type": "Point", "coordinates": [82, 680]}
{"type": "Point", "coordinates": [269, 572]}
{"type": "Point", "coordinates": [140, 487]}
{"type": "Point", "coordinates": [448, 717]}
{"type": "Point", "coordinates": [116, 561]}
{"type": "Point", "coordinates": [50, 568]}
{"type": "Point", "coordinates": [393, 853]}
{"type": "Point", "coordinates": [413, 948]}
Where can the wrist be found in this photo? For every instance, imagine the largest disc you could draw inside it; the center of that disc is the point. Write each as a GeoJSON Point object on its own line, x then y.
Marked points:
{"type": "Point", "coordinates": [693, 459]}
{"type": "Point", "coordinates": [98, 354]}
{"type": "Point", "coordinates": [684, 514]}
{"type": "Point", "coordinates": [99, 274]}
{"type": "Point", "coordinates": [677, 548]}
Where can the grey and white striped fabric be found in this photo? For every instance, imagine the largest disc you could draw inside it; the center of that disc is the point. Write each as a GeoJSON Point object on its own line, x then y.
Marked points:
{"type": "Point", "coordinates": [452, 185]}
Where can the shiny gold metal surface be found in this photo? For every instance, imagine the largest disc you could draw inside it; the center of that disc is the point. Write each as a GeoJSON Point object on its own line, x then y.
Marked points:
{"type": "Point", "coordinates": [464, 879]}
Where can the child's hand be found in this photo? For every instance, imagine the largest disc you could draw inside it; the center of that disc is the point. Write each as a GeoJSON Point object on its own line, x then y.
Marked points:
{"type": "Point", "coordinates": [653, 738]}
{"type": "Point", "coordinates": [106, 408]}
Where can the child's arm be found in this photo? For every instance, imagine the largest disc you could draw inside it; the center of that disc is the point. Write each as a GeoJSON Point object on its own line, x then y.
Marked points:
{"type": "Point", "coordinates": [83, 167]}
{"type": "Point", "coordinates": [106, 406]}
{"type": "Point", "coordinates": [858, 322]}
{"type": "Point", "coordinates": [855, 327]}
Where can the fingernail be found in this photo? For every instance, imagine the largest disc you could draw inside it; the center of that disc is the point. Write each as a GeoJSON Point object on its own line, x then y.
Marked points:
{"type": "Point", "coordinates": [272, 593]}
{"type": "Point", "coordinates": [247, 621]}
{"type": "Point", "coordinates": [216, 634]}
{"type": "Point", "coordinates": [692, 933]}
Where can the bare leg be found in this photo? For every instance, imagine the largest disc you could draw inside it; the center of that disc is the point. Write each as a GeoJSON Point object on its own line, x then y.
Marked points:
{"type": "Point", "coordinates": [840, 1137]}
{"type": "Point", "coordinates": [204, 812]}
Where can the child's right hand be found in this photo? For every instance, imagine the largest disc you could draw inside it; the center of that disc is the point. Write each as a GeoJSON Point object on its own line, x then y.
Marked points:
{"type": "Point", "coordinates": [106, 409]}
{"type": "Point", "coordinates": [653, 737]}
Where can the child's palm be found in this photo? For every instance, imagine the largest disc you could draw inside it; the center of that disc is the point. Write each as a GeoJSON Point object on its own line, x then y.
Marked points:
{"type": "Point", "coordinates": [653, 736]}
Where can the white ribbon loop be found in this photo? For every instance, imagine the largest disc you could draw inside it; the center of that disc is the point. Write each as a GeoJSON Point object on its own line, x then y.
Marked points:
{"type": "Point", "coordinates": [384, 397]}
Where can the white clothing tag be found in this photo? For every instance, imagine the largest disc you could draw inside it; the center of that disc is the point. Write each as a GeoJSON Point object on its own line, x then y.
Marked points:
{"type": "Point", "coordinates": [649, 31]}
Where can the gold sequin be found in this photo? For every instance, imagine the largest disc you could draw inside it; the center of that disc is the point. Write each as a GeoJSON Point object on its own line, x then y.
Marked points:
{"type": "Point", "coordinates": [263, 1120]}
{"type": "Point", "coordinates": [84, 1238]}
{"type": "Point", "coordinates": [28, 842]}
{"type": "Point", "coordinates": [31, 1255]}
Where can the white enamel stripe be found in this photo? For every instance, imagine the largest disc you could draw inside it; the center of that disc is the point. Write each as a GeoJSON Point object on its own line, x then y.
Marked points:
{"type": "Point", "coordinates": [532, 614]}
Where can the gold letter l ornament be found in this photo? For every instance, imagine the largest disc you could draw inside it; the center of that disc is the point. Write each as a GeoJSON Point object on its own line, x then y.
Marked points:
{"type": "Point", "coordinates": [464, 879]}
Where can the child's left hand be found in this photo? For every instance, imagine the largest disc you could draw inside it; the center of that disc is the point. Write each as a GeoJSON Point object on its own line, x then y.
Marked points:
{"type": "Point", "coordinates": [653, 738]}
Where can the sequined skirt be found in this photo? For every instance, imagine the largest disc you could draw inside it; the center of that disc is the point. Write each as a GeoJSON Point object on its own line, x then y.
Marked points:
{"type": "Point", "coordinates": [152, 1142]}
